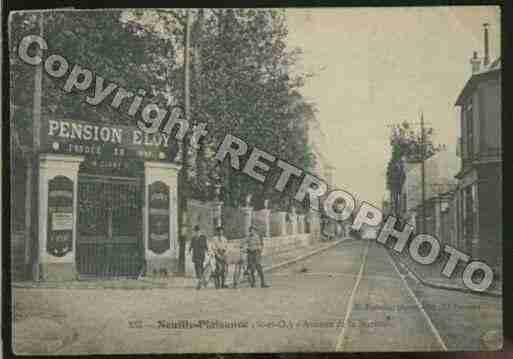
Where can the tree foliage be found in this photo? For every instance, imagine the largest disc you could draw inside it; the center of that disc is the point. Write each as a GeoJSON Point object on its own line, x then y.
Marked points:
{"type": "Point", "coordinates": [118, 51]}
{"type": "Point", "coordinates": [242, 85]}
{"type": "Point", "coordinates": [407, 146]}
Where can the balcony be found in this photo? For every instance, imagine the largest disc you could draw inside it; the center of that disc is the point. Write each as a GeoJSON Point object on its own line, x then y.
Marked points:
{"type": "Point", "coordinates": [489, 155]}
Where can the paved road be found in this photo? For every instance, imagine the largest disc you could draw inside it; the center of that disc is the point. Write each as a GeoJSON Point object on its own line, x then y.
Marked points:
{"type": "Point", "coordinates": [349, 298]}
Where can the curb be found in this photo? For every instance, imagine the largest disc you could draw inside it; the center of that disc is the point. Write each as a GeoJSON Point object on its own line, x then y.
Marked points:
{"type": "Point", "coordinates": [428, 283]}
{"type": "Point", "coordinates": [304, 256]}
{"type": "Point", "coordinates": [64, 285]}
{"type": "Point", "coordinates": [163, 285]}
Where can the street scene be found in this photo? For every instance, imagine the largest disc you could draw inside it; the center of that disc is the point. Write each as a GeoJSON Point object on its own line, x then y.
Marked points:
{"type": "Point", "coordinates": [352, 297]}
{"type": "Point", "coordinates": [256, 180]}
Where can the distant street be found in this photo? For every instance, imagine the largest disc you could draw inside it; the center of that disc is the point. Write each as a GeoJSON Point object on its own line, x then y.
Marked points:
{"type": "Point", "coordinates": [348, 298]}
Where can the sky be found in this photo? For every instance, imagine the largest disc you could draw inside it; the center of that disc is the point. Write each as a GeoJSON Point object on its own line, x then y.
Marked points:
{"type": "Point", "coordinates": [379, 66]}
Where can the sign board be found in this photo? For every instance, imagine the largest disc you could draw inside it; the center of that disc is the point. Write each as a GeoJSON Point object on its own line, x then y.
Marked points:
{"type": "Point", "coordinates": [60, 216]}
{"type": "Point", "coordinates": [107, 148]}
{"type": "Point", "coordinates": [62, 221]}
{"type": "Point", "coordinates": [159, 240]}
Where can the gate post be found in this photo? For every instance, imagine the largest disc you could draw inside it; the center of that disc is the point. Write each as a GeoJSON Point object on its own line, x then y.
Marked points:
{"type": "Point", "coordinates": [293, 221]}
{"type": "Point", "coordinates": [217, 210]}
{"type": "Point", "coordinates": [300, 223]}
{"type": "Point", "coordinates": [57, 213]}
{"type": "Point", "coordinates": [160, 221]}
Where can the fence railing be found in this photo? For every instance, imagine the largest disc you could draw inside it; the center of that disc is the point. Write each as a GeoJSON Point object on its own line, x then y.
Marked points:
{"type": "Point", "coordinates": [109, 260]}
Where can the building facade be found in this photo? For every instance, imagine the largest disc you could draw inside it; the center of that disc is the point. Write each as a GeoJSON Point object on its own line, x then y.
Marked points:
{"type": "Point", "coordinates": [479, 197]}
{"type": "Point", "coordinates": [439, 187]}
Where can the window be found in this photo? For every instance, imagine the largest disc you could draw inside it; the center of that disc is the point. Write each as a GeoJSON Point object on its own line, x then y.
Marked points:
{"type": "Point", "coordinates": [470, 211]}
{"type": "Point", "coordinates": [470, 129]}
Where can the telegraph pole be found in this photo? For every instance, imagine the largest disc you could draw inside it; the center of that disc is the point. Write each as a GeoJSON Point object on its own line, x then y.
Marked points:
{"type": "Point", "coordinates": [423, 170]}
{"type": "Point", "coordinates": [186, 62]}
{"type": "Point", "coordinates": [422, 166]}
{"type": "Point", "coordinates": [32, 171]}
{"type": "Point", "coordinates": [185, 150]}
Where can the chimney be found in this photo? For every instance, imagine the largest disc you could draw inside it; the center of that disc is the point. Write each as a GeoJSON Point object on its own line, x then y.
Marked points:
{"type": "Point", "coordinates": [486, 59]}
{"type": "Point", "coordinates": [475, 62]}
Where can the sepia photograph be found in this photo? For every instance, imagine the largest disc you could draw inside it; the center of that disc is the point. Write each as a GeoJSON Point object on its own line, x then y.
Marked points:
{"type": "Point", "coordinates": [255, 180]}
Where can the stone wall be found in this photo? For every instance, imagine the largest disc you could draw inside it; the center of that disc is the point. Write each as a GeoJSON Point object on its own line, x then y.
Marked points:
{"type": "Point", "coordinates": [19, 268]}
{"type": "Point", "coordinates": [261, 220]}
{"type": "Point", "coordinates": [278, 224]}
{"type": "Point", "coordinates": [272, 246]}
{"type": "Point", "coordinates": [202, 214]}
{"type": "Point", "coordinates": [314, 224]}
{"type": "Point", "coordinates": [289, 228]}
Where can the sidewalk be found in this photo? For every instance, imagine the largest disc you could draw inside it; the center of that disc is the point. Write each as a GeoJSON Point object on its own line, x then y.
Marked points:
{"type": "Point", "coordinates": [431, 275]}
{"type": "Point", "coordinates": [268, 262]}
{"type": "Point", "coordinates": [41, 325]}
{"type": "Point", "coordinates": [39, 328]}
{"type": "Point", "coordinates": [41, 335]}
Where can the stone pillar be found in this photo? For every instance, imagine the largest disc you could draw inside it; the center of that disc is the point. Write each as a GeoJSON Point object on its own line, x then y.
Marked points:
{"type": "Point", "coordinates": [282, 221]}
{"type": "Point", "coordinates": [161, 246]}
{"type": "Point", "coordinates": [56, 256]}
{"type": "Point", "coordinates": [438, 218]}
{"type": "Point", "coordinates": [267, 222]}
{"type": "Point", "coordinates": [413, 221]}
{"type": "Point", "coordinates": [267, 219]}
{"type": "Point", "coordinates": [343, 229]}
{"type": "Point", "coordinates": [301, 223]}
{"type": "Point", "coordinates": [315, 225]}
{"type": "Point", "coordinates": [248, 218]}
{"type": "Point", "coordinates": [293, 220]}
{"type": "Point", "coordinates": [217, 209]}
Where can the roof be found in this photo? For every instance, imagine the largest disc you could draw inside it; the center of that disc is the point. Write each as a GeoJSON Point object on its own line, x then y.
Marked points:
{"type": "Point", "coordinates": [492, 69]}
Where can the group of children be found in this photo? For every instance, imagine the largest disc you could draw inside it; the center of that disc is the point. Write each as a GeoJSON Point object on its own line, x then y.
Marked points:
{"type": "Point", "coordinates": [210, 258]}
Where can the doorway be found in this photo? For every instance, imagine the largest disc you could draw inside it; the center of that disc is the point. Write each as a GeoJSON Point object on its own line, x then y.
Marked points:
{"type": "Point", "coordinates": [109, 227]}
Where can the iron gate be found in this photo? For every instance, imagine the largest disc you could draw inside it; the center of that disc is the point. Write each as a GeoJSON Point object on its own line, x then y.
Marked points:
{"type": "Point", "coordinates": [109, 228]}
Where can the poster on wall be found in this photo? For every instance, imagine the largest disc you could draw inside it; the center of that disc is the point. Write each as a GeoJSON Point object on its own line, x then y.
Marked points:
{"type": "Point", "coordinates": [62, 221]}
{"type": "Point", "coordinates": [159, 240]}
{"type": "Point", "coordinates": [60, 216]}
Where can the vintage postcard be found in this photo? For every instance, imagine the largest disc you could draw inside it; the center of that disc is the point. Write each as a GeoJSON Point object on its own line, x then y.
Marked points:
{"type": "Point", "coordinates": [255, 180]}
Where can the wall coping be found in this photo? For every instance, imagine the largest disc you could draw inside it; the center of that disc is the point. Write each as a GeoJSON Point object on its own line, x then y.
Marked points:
{"type": "Point", "coordinates": [60, 157]}
{"type": "Point", "coordinates": [164, 165]}
{"type": "Point", "coordinates": [276, 238]}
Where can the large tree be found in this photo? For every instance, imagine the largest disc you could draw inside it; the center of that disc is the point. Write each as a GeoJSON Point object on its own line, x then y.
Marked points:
{"type": "Point", "coordinates": [241, 83]}
{"type": "Point", "coordinates": [117, 50]}
{"type": "Point", "coordinates": [407, 146]}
